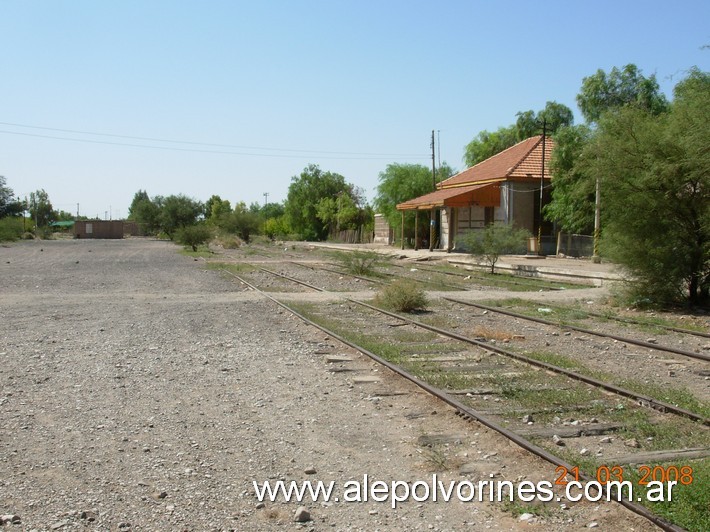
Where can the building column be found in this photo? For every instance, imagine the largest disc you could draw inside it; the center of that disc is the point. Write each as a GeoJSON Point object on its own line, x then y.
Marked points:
{"type": "Point", "coordinates": [402, 231]}
{"type": "Point", "coordinates": [416, 230]}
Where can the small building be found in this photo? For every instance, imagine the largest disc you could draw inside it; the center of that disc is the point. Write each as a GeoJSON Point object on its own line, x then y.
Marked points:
{"type": "Point", "coordinates": [383, 231]}
{"type": "Point", "coordinates": [503, 188]}
{"type": "Point", "coordinates": [98, 229]}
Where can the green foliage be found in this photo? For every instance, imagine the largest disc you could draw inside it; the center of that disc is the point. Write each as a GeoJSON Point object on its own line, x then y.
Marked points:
{"type": "Point", "coordinates": [40, 208]}
{"type": "Point", "coordinates": [572, 204]}
{"type": "Point", "coordinates": [656, 193]}
{"type": "Point", "coordinates": [359, 262]}
{"type": "Point", "coordinates": [277, 227]}
{"type": "Point", "coordinates": [402, 182]}
{"type": "Point", "coordinates": [345, 211]}
{"type": "Point", "coordinates": [487, 144]}
{"type": "Point", "coordinates": [495, 240]}
{"type": "Point", "coordinates": [11, 228]}
{"type": "Point", "coordinates": [241, 221]}
{"type": "Point", "coordinates": [305, 193]}
{"type": "Point", "coordinates": [619, 88]}
{"type": "Point", "coordinates": [177, 212]}
{"type": "Point", "coordinates": [216, 208]}
{"type": "Point", "coordinates": [9, 205]}
{"type": "Point", "coordinates": [528, 124]}
{"type": "Point", "coordinates": [402, 296]}
{"type": "Point", "coordinates": [145, 212]}
{"type": "Point", "coordinates": [193, 235]}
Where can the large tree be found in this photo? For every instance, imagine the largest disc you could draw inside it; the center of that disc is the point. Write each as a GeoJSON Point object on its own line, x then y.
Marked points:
{"type": "Point", "coordinates": [178, 211]}
{"type": "Point", "coordinates": [402, 182]}
{"type": "Point", "coordinates": [9, 206]}
{"type": "Point", "coordinates": [145, 211]}
{"type": "Point", "coordinates": [619, 88]}
{"type": "Point", "coordinates": [656, 192]}
{"type": "Point", "coordinates": [305, 193]}
{"type": "Point", "coordinates": [40, 208]}
{"type": "Point", "coordinates": [573, 189]}
{"type": "Point", "coordinates": [528, 124]}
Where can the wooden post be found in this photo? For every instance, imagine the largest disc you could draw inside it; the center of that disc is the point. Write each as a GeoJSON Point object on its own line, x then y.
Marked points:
{"type": "Point", "coordinates": [402, 232]}
{"type": "Point", "coordinates": [416, 230]}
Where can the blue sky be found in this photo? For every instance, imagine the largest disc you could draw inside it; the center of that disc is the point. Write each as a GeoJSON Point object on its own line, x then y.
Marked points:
{"type": "Point", "coordinates": [250, 93]}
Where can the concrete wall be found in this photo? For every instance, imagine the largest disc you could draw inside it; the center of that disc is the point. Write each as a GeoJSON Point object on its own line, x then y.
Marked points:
{"type": "Point", "coordinates": [383, 231]}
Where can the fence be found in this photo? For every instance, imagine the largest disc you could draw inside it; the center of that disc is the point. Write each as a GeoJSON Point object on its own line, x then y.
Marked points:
{"type": "Point", "coordinates": [353, 236]}
{"type": "Point", "coordinates": [571, 245]}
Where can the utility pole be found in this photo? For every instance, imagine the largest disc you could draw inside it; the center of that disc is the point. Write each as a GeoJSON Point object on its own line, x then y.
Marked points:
{"type": "Point", "coordinates": [542, 181]}
{"type": "Point", "coordinates": [266, 198]}
{"type": "Point", "coordinates": [432, 220]}
{"type": "Point", "coordinates": [77, 211]}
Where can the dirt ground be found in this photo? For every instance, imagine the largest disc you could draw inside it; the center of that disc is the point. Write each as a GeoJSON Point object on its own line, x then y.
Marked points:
{"type": "Point", "coordinates": [140, 391]}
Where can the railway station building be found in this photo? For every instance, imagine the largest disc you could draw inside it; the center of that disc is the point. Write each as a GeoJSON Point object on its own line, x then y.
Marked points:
{"type": "Point", "coordinates": [503, 188]}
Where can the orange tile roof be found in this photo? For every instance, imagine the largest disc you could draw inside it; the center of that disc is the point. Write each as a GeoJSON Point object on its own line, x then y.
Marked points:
{"type": "Point", "coordinates": [522, 161]}
{"type": "Point", "coordinates": [439, 198]}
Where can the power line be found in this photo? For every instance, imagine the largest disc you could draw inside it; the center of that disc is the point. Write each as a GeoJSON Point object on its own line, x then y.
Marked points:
{"type": "Point", "coordinates": [341, 154]}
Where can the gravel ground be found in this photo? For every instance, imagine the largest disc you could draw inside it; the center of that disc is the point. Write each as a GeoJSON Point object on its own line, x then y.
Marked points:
{"type": "Point", "coordinates": [139, 391]}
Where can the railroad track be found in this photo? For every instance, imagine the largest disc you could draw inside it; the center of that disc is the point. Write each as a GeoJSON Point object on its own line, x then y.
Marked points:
{"type": "Point", "coordinates": [461, 407]}
{"type": "Point", "coordinates": [640, 343]}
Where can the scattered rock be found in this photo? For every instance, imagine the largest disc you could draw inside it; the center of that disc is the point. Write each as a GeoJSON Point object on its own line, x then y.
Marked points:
{"type": "Point", "coordinates": [632, 442]}
{"type": "Point", "coordinates": [526, 517]}
{"type": "Point", "coordinates": [584, 452]}
{"type": "Point", "coordinates": [310, 471]}
{"type": "Point", "coordinates": [302, 515]}
{"type": "Point", "coordinates": [528, 418]}
{"type": "Point", "coordinates": [10, 519]}
{"type": "Point", "coordinates": [558, 441]}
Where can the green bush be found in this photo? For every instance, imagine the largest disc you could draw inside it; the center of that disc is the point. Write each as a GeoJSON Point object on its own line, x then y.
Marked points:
{"type": "Point", "coordinates": [194, 235]}
{"type": "Point", "coordinates": [495, 240]}
{"type": "Point", "coordinates": [359, 262]}
{"type": "Point", "coordinates": [11, 229]}
{"type": "Point", "coordinates": [402, 296]}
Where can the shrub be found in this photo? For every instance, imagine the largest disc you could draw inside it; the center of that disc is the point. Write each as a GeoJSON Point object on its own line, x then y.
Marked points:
{"type": "Point", "coordinates": [194, 235]}
{"type": "Point", "coordinates": [402, 296]}
{"type": "Point", "coordinates": [495, 240]}
{"type": "Point", "coordinates": [11, 229]}
{"type": "Point", "coordinates": [359, 262]}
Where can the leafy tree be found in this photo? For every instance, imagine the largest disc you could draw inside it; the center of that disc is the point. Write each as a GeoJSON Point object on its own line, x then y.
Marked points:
{"type": "Point", "coordinates": [402, 182]}
{"type": "Point", "coordinates": [194, 235]}
{"type": "Point", "coordinates": [573, 189]}
{"type": "Point", "coordinates": [178, 211]}
{"type": "Point", "coordinates": [277, 227]}
{"type": "Point", "coordinates": [554, 116]}
{"type": "Point", "coordinates": [40, 208]}
{"type": "Point", "coordinates": [216, 208]}
{"type": "Point", "coordinates": [304, 194]}
{"type": "Point", "coordinates": [572, 204]}
{"type": "Point", "coordinates": [9, 206]}
{"type": "Point", "coordinates": [487, 144]}
{"type": "Point", "coordinates": [619, 88]}
{"type": "Point", "coordinates": [145, 212]}
{"type": "Point", "coordinates": [528, 124]}
{"type": "Point", "coordinates": [242, 221]}
{"type": "Point", "coordinates": [495, 240]}
{"type": "Point", "coordinates": [656, 193]}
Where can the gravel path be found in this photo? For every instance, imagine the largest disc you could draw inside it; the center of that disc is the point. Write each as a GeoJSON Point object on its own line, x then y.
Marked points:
{"type": "Point", "coordinates": [139, 391]}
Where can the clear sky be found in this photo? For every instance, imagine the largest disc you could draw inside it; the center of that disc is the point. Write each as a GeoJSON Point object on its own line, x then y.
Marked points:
{"type": "Point", "coordinates": [234, 98]}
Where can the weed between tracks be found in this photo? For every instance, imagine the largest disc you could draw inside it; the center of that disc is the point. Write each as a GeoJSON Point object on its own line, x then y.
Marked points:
{"type": "Point", "coordinates": [574, 314]}
{"type": "Point", "coordinates": [517, 389]}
